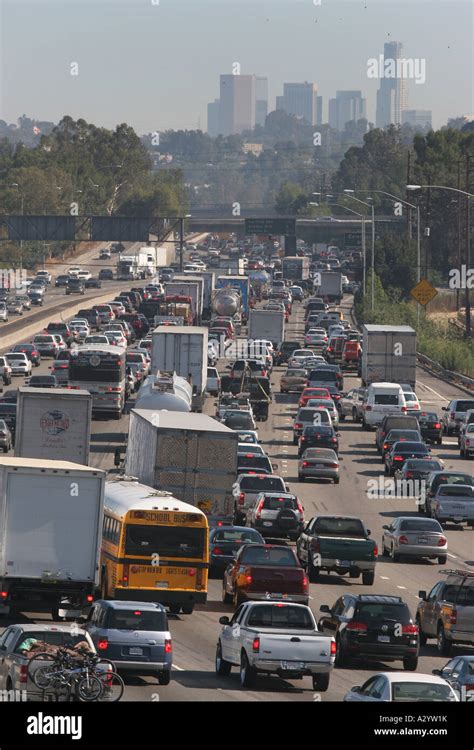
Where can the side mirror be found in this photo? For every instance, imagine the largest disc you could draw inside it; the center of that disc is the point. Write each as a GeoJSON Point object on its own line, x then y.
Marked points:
{"type": "Point", "coordinates": [355, 689]}
{"type": "Point", "coordinates": [338, 434]}
{"type": "Point", "coordinates": [437, 672]}
{"type": "Point", "coordinates": [422, 595]}
{"type": "Point", "coordinates": [368, 532]}
{"type": "Point", "coordinates": [385, 526]}
{"type": "Point", "coordinates": [224, 620]}
{"type": "Point", "coordinates": [325, 608]}
{"type": "Point", "coordinates": [274, 467]}
{"type": "Point", "coordinates": [287, 487]}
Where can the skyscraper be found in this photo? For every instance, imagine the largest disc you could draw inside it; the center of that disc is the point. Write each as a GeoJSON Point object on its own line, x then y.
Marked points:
{"type": "Point", "coordinates": [417, 118]}
{"type": "Point", "coordinates": [237, 103]}
{"type": "Point", "coordinates": [213, 109]}
{"type": "Point", "coordinates": [348, 106]}
{"type": "Point", "coordinates": [392, 95]}
{"type": "Point", "coordinates": [319, 110]}
{"type": "Point", "coordinates": [300, 99]}
{"type": "Point", "coordinates": [261, 100]}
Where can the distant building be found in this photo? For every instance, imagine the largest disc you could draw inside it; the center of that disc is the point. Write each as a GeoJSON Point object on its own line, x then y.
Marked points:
{"type": "Point", "coordinates": [213, 114]}
{"type": "Point", "coordinates": [280, 102]}
{"type": "Point", "coordinates": [348, 106]}
{"type": "Point", "coordinates": [392, 96]}
{"type": "Point", "coordinates": [319, 110]}
{"type": "Point", "coordinates": [261, 100]}
{"type": "Point", "coordinates": [300, 100]}
{"type": "Point", "coordinates": [252, 148]}
{"type": "Point", "coordinates": [237, 103]}
{"type": "Point", "coordinates": [417, 118]}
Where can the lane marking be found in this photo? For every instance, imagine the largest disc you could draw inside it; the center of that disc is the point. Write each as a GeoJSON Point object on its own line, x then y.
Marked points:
{"type": "Point", "coordinates": [385, 578]}
{"type": "Point", "coordinates": [180, 669]}
{"type": "Point", "coordinates": [444, 398]}
{"type": "Point", "coordinates": [401, 587]}
{"type": "Point", "coordinates": [453, 556]}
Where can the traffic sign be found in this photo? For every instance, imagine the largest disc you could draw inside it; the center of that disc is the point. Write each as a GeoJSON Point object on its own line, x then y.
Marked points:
{"type": "Point", "coordinates": [424, 292]}
{"type": "Point", "coordinates": [270, 226]}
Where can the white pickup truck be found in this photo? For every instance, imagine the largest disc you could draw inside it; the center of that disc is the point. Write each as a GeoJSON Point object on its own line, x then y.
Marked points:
{"type": "Point", "coordinates": [275, 638]}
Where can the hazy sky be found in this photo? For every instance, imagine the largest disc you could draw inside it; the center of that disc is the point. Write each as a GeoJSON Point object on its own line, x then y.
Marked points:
{"type": "Point", "coordinates": [155, 64]}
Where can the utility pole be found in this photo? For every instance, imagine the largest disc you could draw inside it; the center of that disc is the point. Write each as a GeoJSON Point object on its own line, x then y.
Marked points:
{"type": "Point", "coordinates": [409, 227]}
{"type": "Point", "coordinates": [458, 291]}
{"type": "Point", "coordinates": [468, 247]}
{"type": "Point", "coordinates": [181, 244]}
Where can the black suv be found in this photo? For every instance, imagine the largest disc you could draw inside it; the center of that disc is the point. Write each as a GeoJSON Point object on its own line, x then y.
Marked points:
{"type": "Point", "coordinates": [372, 627]}
{"type": "Point", "coordinates": [75, 286]}
{"type": "Point", "coordinates": [284, 351]}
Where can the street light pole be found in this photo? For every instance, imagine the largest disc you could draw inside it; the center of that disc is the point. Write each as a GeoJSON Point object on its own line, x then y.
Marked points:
{"type": "Point", "coordinates": [364, 249]}
{"type": "Point", "coordinates": [181, 244]}
{"type": "Point", "coordinates": [371, 205]}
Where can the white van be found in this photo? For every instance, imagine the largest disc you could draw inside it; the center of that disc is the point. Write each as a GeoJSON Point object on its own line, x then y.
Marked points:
{"type": "Point", "coordinates": [382, 399]}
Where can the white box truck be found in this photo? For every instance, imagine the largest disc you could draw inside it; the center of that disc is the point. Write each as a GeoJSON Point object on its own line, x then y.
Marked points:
{"type": "Point", "coordinates": [183, 350]}
{"type": "Point", "coordinates": [186, 289]}
{"type": "Point", "coordinates": [164, 255]}
{"type": "Point", "coordinates": [190, 455]}
{"type": "Point", "coordinates": [328, 285]}
{"type": "Point", "coordinates": [190, 279]}
{"type": "Point", "coordinates": [267, 324]}
{"type": "Point", "coordinates": [388, 354]}
{"type": "Point", "coordinates": [53, 423]}
{"type": "Point", "coordinates": [50, 534]}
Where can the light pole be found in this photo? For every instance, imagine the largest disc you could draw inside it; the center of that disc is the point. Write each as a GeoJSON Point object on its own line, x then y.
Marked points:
{"type": "Point", "coordinates": [468, 239]}
{"type": "Point", "coordinates": [362, 216]}
{"type": "Point", "coordinates": [349, 194]}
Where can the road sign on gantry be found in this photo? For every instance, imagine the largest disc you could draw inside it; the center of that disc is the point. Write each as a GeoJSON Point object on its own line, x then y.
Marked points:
{"type": "Point", "coordinates": [270, 226]}
{"type": "Point", "coordinates": [424, 292]}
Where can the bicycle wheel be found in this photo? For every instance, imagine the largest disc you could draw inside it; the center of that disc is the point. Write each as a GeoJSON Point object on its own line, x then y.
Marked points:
{"type": "Point", "coordinates": [45, 677]}
{"type": "Point", "coordinates": [89, 688]}
{"type": "Point", "coordinates": [43, 659]}
{"type": "Point", "coordinates": [113, 687]}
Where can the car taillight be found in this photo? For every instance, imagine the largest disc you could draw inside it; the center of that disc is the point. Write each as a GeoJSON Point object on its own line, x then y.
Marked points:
{"type": "Point", "coordinates": [248, 579]}
{"type": "Point", "coordinates": [453, 618]}
{"type": "Point", "coordinates": [441, 541]}
{"type": "Point", "coordinates": [192, 572]}
{"type": "Point", "coordinates": [357, 626]}
{"type": "Point", "coordinates": [409, 475]}
{"type": "Point", "coordinates": [299, 506]}
{"type": "Point", "coordinates": [304, 464]}
{"type": "Point", "coordinates": [334, 440]}
{"type": "Point", "coordinates": [404, 408]}
{"type": "Point", "coordinates": [103, 644]}
{"type": "Point", "coordinates": [376, 551]}
{"type": "Point", "coordinates": [385, 446]}
{"type": "Point", "coordinates": [297, 425]}
{"type": "Point", "coordinates": [168, 646]}
{"type": "Point", "coordinates": [410, 629]}
{"type": "Point", "coordinates": [367, 407]}
{"type": "Point", "coordinates": [259, 509]}
{"type": "Point", "coordinates": [126, 572]}
{"type": "Point", "coordinates": [256, 645]}
{"type": "Point", "coordinates": [89, 598]}
{"type": "Point", "coordinates": [403, 540]}
{"type": "Point", "coordinates": [4, 594]}
{"type": "Point", "coordinates": [333, 648]}
{"type": "Point", "coordinates": [23, 673]}
{"type": "Point", "coordinates": [398, 458]}
{"type": "Point", "coordinates": [305, 581]}
{"type": "Point", "coordinates": [217, 551]}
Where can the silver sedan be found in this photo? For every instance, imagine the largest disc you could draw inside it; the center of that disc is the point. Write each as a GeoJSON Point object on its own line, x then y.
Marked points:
{"type": "Point", "coordinates": [319, 462]}
{"type": "Point", "coordinates": [415, 537]}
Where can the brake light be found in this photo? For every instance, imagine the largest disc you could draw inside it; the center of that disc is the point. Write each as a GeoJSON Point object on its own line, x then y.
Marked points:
{"type": "Point", "coordinates": [168, 646]}
{"type": "Point", "coordinates": [441, 541]}
{"type": "Point", "coordinates": [334, 440]}
{"type": "Point", "coordinates": [357, 626]}
{"type": "Point", "coordinates": [103, 644]}
{"type": "Point", "coordinates": [437, 425]}
{"type": "Point", "coordinates": [256, 645]}
{"type": "Point", "coordinates": [24, 673]}
{"type": "Point", "coordinates": [404, 408]}
{"type": "Point", "coordinates": [385, 446]}
{"type": "Point", "coordinates": [403, 540]}
{"type": "Point", "coordinates": [217, 551]}
{"type": "Point", "coordinates": [4, 594]}
{"type": "Point", "coordinates": [367, 407]}
{"type": "Point", "coordinates": [453, 618]}
{"type": "Point", "coordinates": [305, 581]}
{"type": "Point", "coordinates": [398, 458]}
{"type": "Point", "coordinates": [259, 509]}
{"type": "Point", "coordinates": [409, 475]}
{"type": "Point", "coordinates": [89, 598]}
{"type": "Point", "coordinates": [297, 425]}
{"type": "Point", "coordinates": [376, 551]}
{"type": "Point", "coordinates": [305, 463]}
{"type": "Point", "coordinates": [248, 579]}
{"type": "Point", "coordinates": [300, 507]}
{"type": "Point", "coordinates": [410, 629]}
{"type": "Point", "coordinates": [333, 648]}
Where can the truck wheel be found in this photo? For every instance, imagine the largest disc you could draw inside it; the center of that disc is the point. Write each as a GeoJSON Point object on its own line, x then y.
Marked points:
{"type": "Point", "coordinates": [442, 559]}
{"type": "Point", "coordinates": [164, 677]}
{"type": "Point", "coordinates": [368, 578]}
{"type": "Point", "coordinates": [410, 663]}
{"type": "Point", "coordinates": [188, 609]}
{"type": "Point", "coordinates": [313, 572]}
{"type": "Point", "coordinates": [223, 667]}
{"type": "Point", "coordinates": [423, 637]}
{"type": "Point", "coordinates": [354, 416]}
{"type": "Point", "coordinates": [248, 674]}
{"type": "Point", "coordinates": [238, 598]}
{"type": "Point", "coordinates": [226, 598]}
{"type": "Point", "coordinates": [443, 645]}
{"type": "Point", "coordinates": [321, 682]}
{"type": "Point", "coordinates": [175, 609]}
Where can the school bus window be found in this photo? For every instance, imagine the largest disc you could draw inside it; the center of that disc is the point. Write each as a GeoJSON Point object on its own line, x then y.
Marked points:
{"type": "Point", "coordinates": [169, 541]}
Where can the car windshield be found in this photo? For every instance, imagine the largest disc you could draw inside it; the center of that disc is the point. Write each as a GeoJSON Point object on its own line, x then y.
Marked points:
{"type": "Point", "coordinates": [396, 612]}
{"type": "Point", "coordinates": [323, 376]}
{"type": "Point", "coordinates": [386, 399]}
{"type": "Point", "coordinates": [428, 417]}
{"type": "Point", "coordinates": [295, 374]}
{"type": "Point", "coordinates": [14, 355]}
{"type": "Point", "coordinates": [334, 526]}
{"type": "Point", "coordinates": [253, 462]}
{"type": "Point", "coordinates": [269, 556]}
{"type": "Point", "coordinates": [457, 490]}
{"type": "Point", "coordinates": [136, 619]}
{"type": "Point", "coordinates": [410, 447]}
{"type": "Point", "coordinates": [420, 524]}
{"type": "Point", "coordinates": [53, 638]}
{"type": "Point", "coordinates": [236, 536]}
{"type": "Point", "coordinates": [283, 616]}
{"type": "Point", "coordinates": [395, 435]}
{"type": "Point", "coordinates": [403, 692]}
{"type": "Point", "coordinates": [323, 430]}
{"type": "Point", "coordinates": [422, 465]}
{"type": "Point", "coordinates": [277, 503]}
{"type": "Point", "coordinates": [261, 483]}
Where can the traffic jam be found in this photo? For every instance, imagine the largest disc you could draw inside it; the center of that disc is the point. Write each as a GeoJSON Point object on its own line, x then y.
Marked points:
{"type": "Point", "coordinates": [237, 486]}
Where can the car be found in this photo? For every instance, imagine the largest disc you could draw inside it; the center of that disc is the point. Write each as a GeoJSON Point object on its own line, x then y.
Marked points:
{"type": "Point", "coordinates": [382, 399]}
{"type": "Point", "coordinates": [93, 283]}
{"type": "Point", "coordinates": [398, 435]}
{"type": "Point", "coordinates": [401, 452]}
{"type": "Point", "coordinates": [327, 405]}
{"type": "Point", "coordinates": [466, 447]}
{"type": "Point", "coordinates": [284, 350]}
{"type": "Point", "coordinates": [321, 435]}
{"type": "Point", "coordinates": [312, 393]}
{"type": "Point", "coordinates": [394, 422]}
{"type": "Point", "coordinates": [431, 427]}
{"type": "Point", "coordinates": [61, 328]}
{"type": "Point", "coordinates": [413, 405]}
{"type": "Point", "coordinates": [116, 337]}
{"type": "Point", "coordinates": [75, 286]}
{"type": "Point", "coordinates": [372, 626]}
{"type": "Point", "coordinates": [237, 419]}
{"type": "Point", "coordinates": [125, 302]}
{"type": "Point", "coordinates": [297, 293]}
{"type": "Point", "coordinates": [253, 448]}
{"type": "Point", "coordinates": [435, 479]}
{"type": "Point", "coordinates": [298, 357]}
{"type": "Point", "coordinates": [60, 367]}
{"type": "Point", "coordinates": [15, 306]}
{"type": "Point", "coordinates": [294, 379]}
{"type": "Point", "coordinates": [453, 503]}
{"type": "Point", "coordinates": [467, 419]}
{"type": "Point", "coordinates": [25, 301]}
{"type": "Point", "coordinates": [105, 253]}
{"type": "Point", "coordinates": [459, 673]}
{"type": "Point", "coordinates": [413, 475]}
{"type": "Point", "coordinates": [19, 363]}
{"type": "Point", "coordinates": [225, 542]}
{"type": "Point", "coordinates": [305, 418]}
{"type": "Point", "coordinates": [79, 331]}
{"type": "Point", "coordinates": [6, 439]}
{"type": "Point", "coordinates": [246, 488]}
{"type": "Point", "coordinates": [265, 571]}
{"type": "Point", "coordinates": [105, 313]}
{"type": "Point", "coordinates": [106, 274]}
{"type": "Point", "coordinates": [351, 355]}
{"type": "Point", "coordinates": [36, 298]}
{"type": "Point", "coordinates": [249, 437]}
{"type": "Point", "coordinates": [335, 348]}
{"type": "Point", "coordinates": [61, 280]}
{"type": "Point", "coordinates": [320, 463]}
{"type": "Point", "coordinates": [134, 635]}
{"type": "Point", "coordinates": [277, 515]}
{"type": "Point", "coordinates": [454, 413]}
{"type": "Point", "coordinates": [350, 404]}
{"type": "Point", "coordinates": [44, 275]}
{"type": "Point", "coordinates": [46, 344]}
{"type": "Point", "coordinates": [92, 317]}
{"type": "Point", "coordinates": [3, 312]}
{"type": "Point", "coordinates": [317, 341]}
{"type": "Point", "coordinates": [83, 274]}
{"type": "Point", "coordinates": [446, 613]}
{"type": "Point", "coordinates": [31, 352]}
{"type": "Point", "coordinates": [42, 381]}
{"type": "Point", "coordinates": [399, 687]}
{"type": "Point", "coordinates": [414, 537]}
{"type": "Point", "coordinates": [324, 378]}
{"type": "Point", "coordinates": [5, 371]}
{"type": "Point", "coordinates": [8, 411]}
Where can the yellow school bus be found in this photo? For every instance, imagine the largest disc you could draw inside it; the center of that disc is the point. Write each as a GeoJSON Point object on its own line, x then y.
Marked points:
{"type": "Point", "coordinates": [155, 548]}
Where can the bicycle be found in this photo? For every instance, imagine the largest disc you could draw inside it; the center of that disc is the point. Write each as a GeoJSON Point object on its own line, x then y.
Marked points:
{"type": "Point", "coordinates": [91, 683]}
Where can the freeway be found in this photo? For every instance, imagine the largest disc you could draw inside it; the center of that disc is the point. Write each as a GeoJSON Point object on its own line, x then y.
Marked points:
{"type": "Point", "coordinates": [195, 637]}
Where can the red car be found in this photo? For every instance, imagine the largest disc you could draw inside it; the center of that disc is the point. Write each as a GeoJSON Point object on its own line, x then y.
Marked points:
{"type": "Point", "coordinates": [262, 571]}
{"type": "Point", "coordinates": [313, 393]}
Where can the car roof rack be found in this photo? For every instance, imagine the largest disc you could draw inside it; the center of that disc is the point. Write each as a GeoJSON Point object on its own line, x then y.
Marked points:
{"type": "Point", "coordinates": [458, 572]}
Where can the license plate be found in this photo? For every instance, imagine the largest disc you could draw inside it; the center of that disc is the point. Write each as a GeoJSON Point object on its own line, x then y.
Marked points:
{"type": "Point", "coordinates": [161, 584]}
{"type": "Point", "coordinates": [345, 563]}
{"type": "Point", "coordinates": [384, 638]}
{"type": "Point", "coordinates": [320, 466]}
{"type": "Point", "coordinates": [135, 651]}
{"type": "Point", "coordinates": [423, 541]}
{"type": "Point", "coordinates": [292, 665]}
{"type": "Point", "coordinates": [267, 523]}
{"type": "Point", "coordinates": [458, 518]}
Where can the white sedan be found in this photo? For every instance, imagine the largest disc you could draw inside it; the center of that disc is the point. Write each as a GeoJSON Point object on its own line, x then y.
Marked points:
{"type": "Point", "coordinates": [19, 363]}
{"type": "Point", "coordinates": [298, 357]}
{"type": "Point", "coordinates": [401, 687]}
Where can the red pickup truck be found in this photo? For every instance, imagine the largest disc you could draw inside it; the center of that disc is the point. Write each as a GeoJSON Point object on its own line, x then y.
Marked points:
{"type": "Point", "coordinates": [265, 571]}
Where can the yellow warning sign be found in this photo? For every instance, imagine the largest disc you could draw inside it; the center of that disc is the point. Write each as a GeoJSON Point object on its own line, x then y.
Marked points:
{"type": "Point", "coordinates": [424, 292]}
